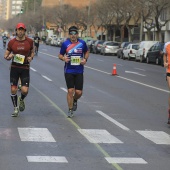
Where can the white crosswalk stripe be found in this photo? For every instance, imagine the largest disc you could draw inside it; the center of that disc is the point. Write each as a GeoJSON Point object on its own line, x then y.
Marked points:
{"type": "Point", "coordinates": [56, 159]}
{"type": "Point", "coordinates": [99, 136]}
{"type": "Point", "coordinates": [158, 137]}
{"type": "Point", "coordinates": [125, 160]}
{"type": "Point", "coordinates": [35, 135]}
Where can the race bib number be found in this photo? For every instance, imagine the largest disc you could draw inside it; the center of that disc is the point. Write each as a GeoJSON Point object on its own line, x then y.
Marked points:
{"type": "Point", "coordinates": [18, 58]}
{"type": "Point", "coordinates": [75, 60]}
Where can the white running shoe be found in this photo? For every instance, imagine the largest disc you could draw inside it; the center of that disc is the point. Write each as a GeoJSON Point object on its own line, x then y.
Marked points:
{"type": "Point", "coordinates": [16, 112]}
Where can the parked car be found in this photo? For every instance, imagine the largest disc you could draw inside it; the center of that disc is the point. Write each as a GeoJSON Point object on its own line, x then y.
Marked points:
{"type": "Point", "coordinates": [155, 54]}
{"type": "Point", "coordinates": [120, 50]}
{"type": "Point", "coordinates": [109, 47]}
{"type": "Point", "coordinates": [90, 45]}
{"type": "Point", "coordinates": [48, 41]}
{"type": "Point", "coordinates": [129, 52]}
{"type": "Point", "coordinates": [142, 51]}
{"type": "Point", "coordinates": [97, 46]}
{"type": "Point", "coordinates": [54, 42]}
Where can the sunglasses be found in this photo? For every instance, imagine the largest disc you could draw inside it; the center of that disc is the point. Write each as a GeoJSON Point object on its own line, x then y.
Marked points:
{"type": "Point", "coordinates": [73, 33]}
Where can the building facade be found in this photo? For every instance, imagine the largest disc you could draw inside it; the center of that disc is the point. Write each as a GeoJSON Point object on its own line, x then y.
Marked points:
{"type": "Point", "coordinates": [3, 9]}
{"type": "Point", "coordinates": [75, 3]}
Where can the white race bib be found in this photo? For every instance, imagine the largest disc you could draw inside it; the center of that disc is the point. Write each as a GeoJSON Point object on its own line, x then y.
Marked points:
{"type": "Point", "coordinates": [18, 58]}
{"type": "Point", "coordinates": [75, 60]}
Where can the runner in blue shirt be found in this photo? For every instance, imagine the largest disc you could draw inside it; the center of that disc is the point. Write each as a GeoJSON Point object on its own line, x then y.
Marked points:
{"type": "Point", "coordinates": [74, 53]}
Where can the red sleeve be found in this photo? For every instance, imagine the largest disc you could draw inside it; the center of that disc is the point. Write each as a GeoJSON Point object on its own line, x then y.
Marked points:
{"type": "Point", "coordinates": [10, 43]}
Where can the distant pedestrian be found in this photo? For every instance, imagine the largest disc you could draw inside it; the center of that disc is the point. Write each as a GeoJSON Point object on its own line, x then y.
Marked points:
{"type": "Point", "coordinates": [74, 53]}
{"type": "Point", "coordinates": [166, 59]}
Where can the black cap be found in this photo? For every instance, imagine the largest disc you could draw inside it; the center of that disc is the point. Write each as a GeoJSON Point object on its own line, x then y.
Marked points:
{"type": "Point", "coordinates": [73, 28]}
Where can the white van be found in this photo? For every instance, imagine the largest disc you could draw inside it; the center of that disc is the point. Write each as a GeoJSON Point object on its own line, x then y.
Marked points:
{"type": "Point", "coordinates": [142, 51]}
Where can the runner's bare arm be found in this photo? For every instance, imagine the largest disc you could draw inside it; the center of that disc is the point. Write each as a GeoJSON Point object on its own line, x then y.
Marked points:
{"type": "Point", "coordinates": [86, 56]}
{"type": "Point", "coordinates": [64, 58]}
{"type": "Point", "coordinates": [8, 55]}
{"type": "Point", "coordinates": [165, 60]}
{"type": "Point", "coordinates": [31, 55]}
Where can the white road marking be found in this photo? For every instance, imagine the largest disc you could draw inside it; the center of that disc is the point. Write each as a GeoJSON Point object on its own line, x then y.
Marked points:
{"type": "Point", "coordinates": [48, 55]}
{"type": "Point", "coordinates": [131, 72]}
{"type": "Point", "coordinates": [122, 160]}
{"type": "Point", "coordinates": [158, 137]}
{"type": "Point", "coordinates": [100, 60]}
{"type": "Point", "coordinates": [140, 69]}
{"type": "Point", "coordinates": [112, 120]}
{"type": "Point", "coordinates": [44, 49]}
{"type": "Point", "coordinates": [46, 78]}
{"type": "Point", "coordinates": [64, 89]}
{"type": "Point", "coordinates": [119, 64]}
{"type": "Point", "coordinates": [144, 84]}
{"type": "Point", "coordinates": [32, 69]}
{"type": "Point", "coordinates": [55, 159]}
{"type": "Point", "coordinates": [98, 70]}
{"type": "Point", "coordinates": [35, 135]}
{"type": "Point", "coordinates": [98, 136]}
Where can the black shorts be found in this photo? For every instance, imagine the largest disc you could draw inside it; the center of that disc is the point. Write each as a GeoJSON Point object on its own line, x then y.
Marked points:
{"type": "Point", "coordinates": [36, 44]}
{"type": "Point", "coordinates": [23, 74]}
{"type": "Point", "coordinates": [74, 81]}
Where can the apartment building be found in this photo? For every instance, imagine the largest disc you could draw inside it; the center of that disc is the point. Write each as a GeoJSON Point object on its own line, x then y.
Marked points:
{"type": "Point", "coordinates": [3, 9]}
{"type": "Point", "coordinates": [75, 3]}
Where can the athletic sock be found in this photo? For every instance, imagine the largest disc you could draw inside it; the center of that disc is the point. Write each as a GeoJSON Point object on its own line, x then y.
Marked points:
{"type": "Point", "coordinates": [23, 96]}
{"type": "Point", "coordinates": [14, 99]}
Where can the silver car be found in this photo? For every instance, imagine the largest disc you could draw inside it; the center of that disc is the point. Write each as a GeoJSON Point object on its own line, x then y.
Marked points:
{"type": "Point", "coordinates": [109, 47]}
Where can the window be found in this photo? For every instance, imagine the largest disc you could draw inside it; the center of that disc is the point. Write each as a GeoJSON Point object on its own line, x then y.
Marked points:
{"type": "Point", "coordinates": [18, 2]}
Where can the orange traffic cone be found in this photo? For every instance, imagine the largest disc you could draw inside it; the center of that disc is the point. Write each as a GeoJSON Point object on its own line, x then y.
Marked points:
{"type": "Point", "coordinates": [114, 72]}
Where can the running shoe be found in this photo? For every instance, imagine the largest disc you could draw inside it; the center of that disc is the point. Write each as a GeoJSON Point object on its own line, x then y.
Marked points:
{"type": "Point", "coordinates": [21, 104]}
{"type": "Point", "coordinates": [70, 113]}
{"type": "Point", "coordinates": [74, 105]}
{"type": "Point", "coordinates": [16, 112]}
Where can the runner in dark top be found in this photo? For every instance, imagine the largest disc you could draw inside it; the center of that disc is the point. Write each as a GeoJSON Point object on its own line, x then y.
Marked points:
{"type": "Point", "coordinates": [20, 50]}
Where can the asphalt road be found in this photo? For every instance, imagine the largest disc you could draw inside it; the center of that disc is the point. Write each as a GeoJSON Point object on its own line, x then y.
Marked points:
{"type": "Point", "coordinates": [120, 123]}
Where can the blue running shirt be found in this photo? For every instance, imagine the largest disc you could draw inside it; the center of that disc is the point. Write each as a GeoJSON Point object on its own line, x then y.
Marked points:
{"type": "Point", "coordinates": [76, 52]}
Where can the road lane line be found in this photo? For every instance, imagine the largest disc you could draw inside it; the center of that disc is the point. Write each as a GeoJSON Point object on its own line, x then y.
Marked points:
{"type": "Point", "coordinates": [99, 136]}
{"type": "Point", "coordinates": [33, 69]}
{"type": "Point", "coordinates": [122, 160]}
{"type": "Point", "coordinates": [137, 82]}
{"type": "Point", "coordinates": [48, 55]}
{"type": "Point", "coordinates": [140, 69]}
{"type": "Point", "coordinates": [115, 165]}
{"type": "Point", "coordinates": [64, 89]}
{"type": "Point", "coordinates": [131, 72]}
{"type": "Point", "coordinates": [35, 135]}
{"type": "Point", "coordinates": [46, 78]}
{"type": "Point", "coordinates": [158, 137]}
{"type": "Point", "coordinates": [54, 159]}
{"type": "Point", "coordinates": [113, 120]}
